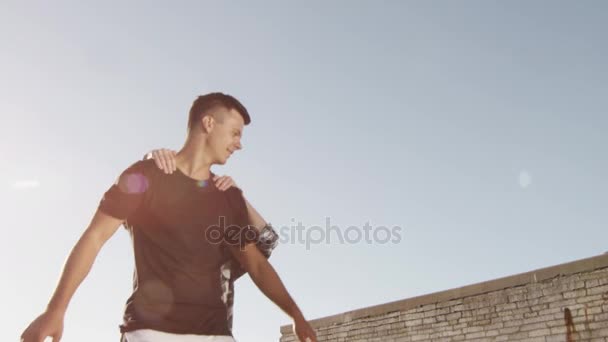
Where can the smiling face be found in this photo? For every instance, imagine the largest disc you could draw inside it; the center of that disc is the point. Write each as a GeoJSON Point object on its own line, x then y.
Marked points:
{"type": "Point", "coordinates": [225, 129]}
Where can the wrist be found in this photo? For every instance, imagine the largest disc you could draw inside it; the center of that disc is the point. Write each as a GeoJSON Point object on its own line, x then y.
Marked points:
{"type": "Point", "coordinates": [54, 314]}
{"type": "Point", "coordinates": [56, 309]}
{"type": "Point", "coordinates": [296, 314]}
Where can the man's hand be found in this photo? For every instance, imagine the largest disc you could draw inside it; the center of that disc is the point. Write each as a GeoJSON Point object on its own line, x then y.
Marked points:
{"type": "Point", "coordinates": [165, 160]}
{"type": "Point", "coordinates": [303, 330]}
{"type": "Point", "coordinates": [224, 183]}
{"type": "Point", "coordinates": [49, 324]}
{"type": "Point", "coordinates": [78, 265]}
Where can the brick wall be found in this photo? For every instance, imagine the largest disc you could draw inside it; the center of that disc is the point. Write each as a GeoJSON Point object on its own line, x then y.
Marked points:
{"type": "Point", "coordinates": [565, 303]}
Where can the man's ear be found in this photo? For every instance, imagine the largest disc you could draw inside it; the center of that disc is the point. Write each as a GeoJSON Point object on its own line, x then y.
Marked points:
{"type": "Point", "coordinates": [208, 123]}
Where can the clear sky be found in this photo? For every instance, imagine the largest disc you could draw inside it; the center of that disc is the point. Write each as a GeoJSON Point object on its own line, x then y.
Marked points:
{"type": "Point", "coordinates": [477, 127]}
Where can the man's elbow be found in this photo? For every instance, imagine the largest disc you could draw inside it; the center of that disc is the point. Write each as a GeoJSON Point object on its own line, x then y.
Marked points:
{"type": "Point", "coordinates": [250, 259]}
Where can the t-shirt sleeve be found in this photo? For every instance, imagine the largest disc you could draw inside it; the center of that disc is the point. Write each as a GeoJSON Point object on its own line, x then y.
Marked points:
{"type": "Point", "coordinates": [266, 239]}
{"type": "Point", "coordinates": [239, 231]}
{"type": "Point", "coordinates": [123, 198]}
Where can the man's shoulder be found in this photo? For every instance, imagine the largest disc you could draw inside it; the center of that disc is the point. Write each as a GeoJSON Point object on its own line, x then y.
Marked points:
{"type": "Point", "coordinates": [138, 177]}
{"type": "Point", "coordinates": [235, 198]}
{"type": "Point", "coordinates": [234, 191]}
{"type": "Point", "coordinates": [142, 166]}
{"type": "Point", "coordinates": [234, 194]}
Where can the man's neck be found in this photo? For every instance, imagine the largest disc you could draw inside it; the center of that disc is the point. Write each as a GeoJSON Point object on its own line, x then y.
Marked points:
{"type": "Point", "coordinates": [192, 162]}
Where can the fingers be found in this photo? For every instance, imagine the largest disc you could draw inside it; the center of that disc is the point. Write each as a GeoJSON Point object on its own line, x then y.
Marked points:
{"type": "Point", "coordinates": [25, 336]}
{"type": "Point", "coordinates": [312, 337]}
{"type": "Point", "coordinates": [219, 180]}
{"type": "Point", "coordinates": [29, 338]}
{"type": "Point", "coordinates": [309, 337]}
{"type": "Point", "coordinates": [165, 160]}
{"type": "Point", "coordinates": [224, 183]}
{"type": "Point", "coordinates": [308, 334]}
{"type": "Point", "coordinates": [39, 337]}
{"type": "Point", "coordinates": [157, 159]}
{"type": "Point", "coordinates": [173, 164]}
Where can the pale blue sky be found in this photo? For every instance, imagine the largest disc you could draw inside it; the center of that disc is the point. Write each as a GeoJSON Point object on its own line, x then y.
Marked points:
{"type": "Point", "coordinates": [479, 127]}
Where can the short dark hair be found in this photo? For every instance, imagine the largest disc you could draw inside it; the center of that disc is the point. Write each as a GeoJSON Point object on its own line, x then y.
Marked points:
{"type": "Point", "coordinates": [204, 103]}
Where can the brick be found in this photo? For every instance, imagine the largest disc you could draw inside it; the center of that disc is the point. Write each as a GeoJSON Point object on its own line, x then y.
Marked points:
{"type": "Point", "coordinates": [575, 293]}
{"type": "Point", "coordinates": [532, 312]}
{"type": "Point", "coordinates": [597, 290]}
{"type": "Point", "coordinates": [540, 332]}
{"type": "Point", "coordinates": [475, 335]}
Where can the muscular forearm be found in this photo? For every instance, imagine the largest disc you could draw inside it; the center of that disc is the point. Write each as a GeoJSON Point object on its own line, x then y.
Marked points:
{"type": "Point", "coordinates": [268, 281]}
{"type": "Point", "coordinates": [76, 268]}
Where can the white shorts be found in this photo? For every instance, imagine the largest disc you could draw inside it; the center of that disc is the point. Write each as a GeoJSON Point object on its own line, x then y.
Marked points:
{"type": "Point", "coordinates": [148, 335]}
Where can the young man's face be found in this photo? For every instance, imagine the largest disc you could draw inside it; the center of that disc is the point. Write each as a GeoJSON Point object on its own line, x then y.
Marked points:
{"type": "Point", "coordinates": [225, 137]}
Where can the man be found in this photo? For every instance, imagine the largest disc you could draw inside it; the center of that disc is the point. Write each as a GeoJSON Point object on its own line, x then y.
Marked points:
{"type": "Point", "coordinates": [268, 237]}
{"type": "Point", "coordinates": [183, 235]}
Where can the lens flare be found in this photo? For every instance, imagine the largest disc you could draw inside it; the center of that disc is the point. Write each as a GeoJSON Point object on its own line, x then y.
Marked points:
{"type": "Point", "coordinates": [133, 183]}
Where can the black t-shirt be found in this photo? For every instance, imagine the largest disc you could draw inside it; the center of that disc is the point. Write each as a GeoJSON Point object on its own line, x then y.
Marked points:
{"type": "Point", "coordinates": [177, 225]}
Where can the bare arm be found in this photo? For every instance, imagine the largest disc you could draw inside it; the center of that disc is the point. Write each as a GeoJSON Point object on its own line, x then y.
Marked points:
{"type": "Point", "coordinates": [254, 217]}
{"type": "Point", "coordinates": [267, 239]}
{"type": "Point", "coordinates": [76, 268]}
{"type": "Point", "coordinates": [267, 280]}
